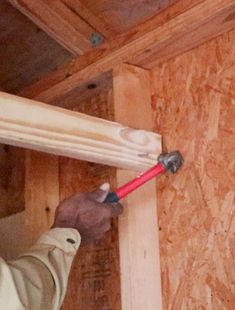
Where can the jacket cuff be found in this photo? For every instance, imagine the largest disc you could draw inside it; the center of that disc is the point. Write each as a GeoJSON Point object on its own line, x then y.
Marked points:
{"type": "Point", "coordinates": [66, 239]}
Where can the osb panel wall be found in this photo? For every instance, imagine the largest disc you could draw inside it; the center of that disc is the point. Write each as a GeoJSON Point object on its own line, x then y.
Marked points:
{"type": "Point", "coordinates": [94, 282]}
{"type": "Point", "coordinates": [194, 104]}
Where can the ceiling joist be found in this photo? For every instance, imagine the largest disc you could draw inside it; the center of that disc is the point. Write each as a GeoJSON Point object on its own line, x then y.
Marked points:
{"type": "Point", "coordinates": [186, 30]}
{"type": "Point", "coordinates": [62, 23]}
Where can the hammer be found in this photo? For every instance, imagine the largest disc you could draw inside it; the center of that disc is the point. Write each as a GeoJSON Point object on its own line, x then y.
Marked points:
{"type": "Point", "coordinates": [166, 162]}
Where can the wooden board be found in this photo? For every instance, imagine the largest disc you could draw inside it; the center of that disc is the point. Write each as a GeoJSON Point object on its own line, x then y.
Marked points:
{"type": "Point", "coordinates": [41, 193]}
{"type": "Point", "coordinates": [120, 16]}
{"type": "Point", "coordinates": [95, 278]}
{"type": "Point", "coordinates": [14, 236]}
{"type": "Point", "coordinates": [12, 161]}
{"type": "Point", "coordinates": [61, 23]}
{"type": "Point", "coordinates": [138, 229]}
{"type": "Point", "coordinates": [27, 53]}
{"type": "Point", "coordinates": [194, 103]}
{"type": "Point", "coordinates": [186, 30]}
{"type": "Point", "coordinates": [80, 63]}
{"type": "Point", "coordinates": [41, 197]}
{"type": "Point", "coordinates": [93, 19]}
{"type": "Point", "coordinates": [54, 130]}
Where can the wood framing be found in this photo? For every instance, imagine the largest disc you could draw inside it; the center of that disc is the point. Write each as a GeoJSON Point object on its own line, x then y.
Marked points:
{"type": "Point", "coordinates": [92, 19]}
{"type": "Point", "coordinates": [60, 22]}
{"type": "Point", "coordinates": [138, 228]}
{"type": "Point", "coordinates": [43, 127]}
{"type": "Point", "coordinates": [186, 29]}
{"type": "Point", "coordinates": [41, 192]}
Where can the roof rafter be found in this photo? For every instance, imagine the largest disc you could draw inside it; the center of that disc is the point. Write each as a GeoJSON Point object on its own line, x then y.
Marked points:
{"type": "Point", "coordinates": [64, 25]}
{"type": "Point", "coordinates": [152, 44]}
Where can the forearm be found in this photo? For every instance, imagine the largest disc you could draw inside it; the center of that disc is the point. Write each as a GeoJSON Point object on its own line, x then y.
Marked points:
{"type": "Point", "coordinates": [39, 277]}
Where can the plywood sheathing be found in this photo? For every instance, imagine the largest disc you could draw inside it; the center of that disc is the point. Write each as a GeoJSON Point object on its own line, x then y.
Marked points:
{"type": "Point", "coordinates": [194, 103]}
{"type": "Point", "coordinates": [95, 277]}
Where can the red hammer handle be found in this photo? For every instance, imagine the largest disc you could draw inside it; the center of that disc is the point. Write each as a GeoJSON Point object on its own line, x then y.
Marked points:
{"type": "Point", "coordinates": [129, 187]}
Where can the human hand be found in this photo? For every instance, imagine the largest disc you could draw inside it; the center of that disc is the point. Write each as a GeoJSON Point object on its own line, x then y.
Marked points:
{"type": "Point", "coordinates": [88, 214]}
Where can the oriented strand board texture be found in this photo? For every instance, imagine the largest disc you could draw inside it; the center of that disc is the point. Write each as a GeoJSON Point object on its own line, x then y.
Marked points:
{"type": "Point", "coordinates": [94, 283]}
{"type": "Point", "coordinates": [194, 104]}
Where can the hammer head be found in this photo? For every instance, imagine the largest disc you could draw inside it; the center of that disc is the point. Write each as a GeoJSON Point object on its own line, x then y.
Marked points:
{"type": "Point", "coordinates": [171, 161]}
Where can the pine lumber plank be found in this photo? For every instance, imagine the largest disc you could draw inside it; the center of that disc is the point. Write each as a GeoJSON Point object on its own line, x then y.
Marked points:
{"type": "Point", "coordinates": [95, 276]}
{"type": "Point", "coordinates": [14, 236]}
{"type": "Point", "coordinates": [51, 129]}
{"type": "Point", "coordinates": [92, 19]}
{"type": "Point", "coordinates": [121, 16]}
{"type": "Point", "coordinates": [27, 53]}
{"type": "Point", "coordinates": [138, 228]}
{"type": "Point", "coordinates": [20, 231]}
{"type": "Point", "coordinates": [12, 177]}
{"type": "Point", "coordinates": [41, 192]}
{"type": "Point", "coordinates": [60, 22]}
{"type": "Point", "coordinates": [190, 26]}
{"type": "Point", "coordinates": [80, 63]}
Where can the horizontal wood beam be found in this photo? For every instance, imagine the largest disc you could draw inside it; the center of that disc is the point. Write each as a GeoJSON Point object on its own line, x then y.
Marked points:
{"type": "Point", "coordinates": [62, 23]}
{"type": "Point", "coordinates": [182, 27]}
{"type": "Point", "coordinates": [34, 125]}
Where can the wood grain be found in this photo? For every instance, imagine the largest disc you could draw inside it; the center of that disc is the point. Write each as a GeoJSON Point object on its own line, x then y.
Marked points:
{"type": "Point", "coordinates": [41, 193]}
{"type": "Point", "coordinates": [185, 31]}
{"type": "Point", "coordinates": [60, 22]}
{"type": "Point", "coordinates": [95, 20]}
{"type": "Point", "coordinates": [138, 231]}
{"type": "Point", "coordinates": [41, 197]}
{"type": "Point", "coordinates": [120, 16]}
{"type": "Point", "coordinates": [14, 236]}
{"type": "Point", "coordinates": [12, 180]}
{"type": "Point", "coordinates": [27, 53]}
{"type": "Point", "coordinates": [80, 63]}
{"type": "Point", "coordinates": [94, 283]}
{"type": "Point", "coordinates": [42, 127]}
{"type": "Point", "coordinates": [194, 103]}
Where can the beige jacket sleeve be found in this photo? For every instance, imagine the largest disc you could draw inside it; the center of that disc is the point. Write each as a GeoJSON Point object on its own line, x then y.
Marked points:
{"type": "Point", "coordinates": [38, 279]}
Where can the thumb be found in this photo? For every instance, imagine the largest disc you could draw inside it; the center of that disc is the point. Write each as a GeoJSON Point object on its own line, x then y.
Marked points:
{"type": "Point", "coordinates": [100, 194]}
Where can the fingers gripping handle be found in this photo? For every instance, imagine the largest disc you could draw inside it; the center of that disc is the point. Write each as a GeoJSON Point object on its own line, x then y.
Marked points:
{"type": "Point", "coordinates": [112, 198]}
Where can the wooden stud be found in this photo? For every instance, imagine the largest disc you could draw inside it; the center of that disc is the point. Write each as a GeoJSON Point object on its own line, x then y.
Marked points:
{"type": "Point", "coordinates": [186, 30]}
{"type": "Point", "coordinates": [47, 128]}
{"type": "Point", "coordinates": [20, 231]}
{"type": "Point", "coordinates": [138, 229]}
{"type": "Point", "coordinates": [41, 193]}
{"type": "Point", "coordinates": [95, 275]}
{"type": "Point", "coordinates": [12, 162]}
